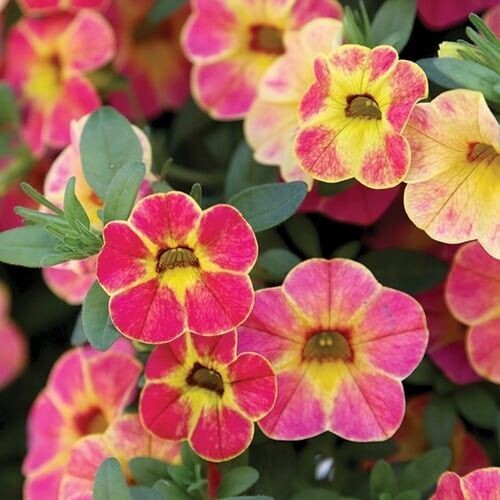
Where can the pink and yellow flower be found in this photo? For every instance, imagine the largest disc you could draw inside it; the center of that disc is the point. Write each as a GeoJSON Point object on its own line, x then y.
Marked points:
{"type": "Point", "coordinates": [472, 293]}
{"type": "Point", "coordinates": [124, 439]}
{"type": "Point", "coordinates": [72, 280]}
{"type": "Point", "coordinates": [150, 57]}
{"type": "Point", "coordinates": [355, 205]}
{"type": "Point", "coordinates": [14, 351]}
{"type": "Point", "coordinates": [46, 63]}
{"type": "Point", "coordinates": [198, 389]}
{"type": "Point", "coordinates": [44, 7]}
{"type": "Point", "coordinates": [481, 484]}
{"type": "Point", "coordinates": [340, 344]}
{"type": "Point", "coordinates": [272, 123]}
{"type": "Point", "coordinates": [411, 440]}
{"type": "Point", "coordinates": [446, 338]}
{"type": "Point", "coordinates": [453, 190]}
{"type": "Point", "coordinates": [85, 392]}
{"type": "Point", "coordinates": [442, 14]}
{"type": "Point", "coordinates": [233, 43]}
{"type": "Point", "coordinates": [173, 260]}
{"type": "Point", "coordinates": [363, 97]}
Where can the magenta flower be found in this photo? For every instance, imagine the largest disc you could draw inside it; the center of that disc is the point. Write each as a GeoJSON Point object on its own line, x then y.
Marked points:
{"type": "Point", "coordinates": [198, 389]}
{"type": "Point", "coordinates": [481, 484]}
{"type": "Point", "coordinates": [173, 260]}
{"type": "Point", "coordinates": [340, 344]}
{"type": "Point", "coordinates": [43, 7]}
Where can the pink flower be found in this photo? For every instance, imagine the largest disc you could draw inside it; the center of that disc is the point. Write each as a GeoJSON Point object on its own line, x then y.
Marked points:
{"type": "Point", "coordinates": [340, 344]}
{"type": "Point", "coordinates": [447, 338]}
{"type": "Point", "coordinates": [124, 440]}
{"type": "Point", "coordinates": [272, 122]}
{"type": "Point", "coordinates": [43, 7]}
{"type": "Point", "coordinates": [232, 45]}
{"type": "Point", "coordinates": [411, 440]}
{"type": "Point", "coordinates": [85, 392]}
{"type": "Point", "coordinates": [198, 389]}
{"type": "Point", "coordinates": [355, 205]}
{"type": "Point", "coordinates": [46, 63]}
{"type": "Point", "coordinates": [14, 351]}
{"type": "Point", "coordinates": [364, 97]}
{"type": "Point", "coordinates": [453, 190]}
{"type": "Point", "coordinates": [482, 484]}
{"type": "Point", "coordinates": [443, 14]}
{"type": "Point", "coordinates": [72, 280]}
{"type": "Point", "coordinates": [173, 260]}
{"type": "Point", "coordinates": [472, 293]}
{"type": "Point", "coordinates": [150, 57]}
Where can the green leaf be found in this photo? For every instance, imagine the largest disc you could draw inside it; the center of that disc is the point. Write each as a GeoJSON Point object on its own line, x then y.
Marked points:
{"type": "Point", "coordinates": [268, 205]}
{"type": "Point", "coordinates": [163, 8]}
{"type": "Point", "coordinates": [424, 374]}
{"type": "Point", "coordinates": [189, 458]}
{"type": "Point", "coordinates": [440, 419]}
{"type": "Point", "coordinates": [245, 172]}
{"type": "Point", "coordinates": [349, 250]}
{"type": "Point", "coordinates": [456, 73]}
{"type": "Point", "coordinates": [407, 270]}
{"type": "Point", "coordinates": [316, 494]}
{"type": "Point", "coordinates": [408, 495]}
{"type": "Point", "coordinates": [161, 187]}
{"type": "Point", "coordinates": [393, 23]}
{"type": "Point", "coordinates": [333, 188]}
{"type": "Point", "coordinates": [477, 406]}
{"type": "Point", "coordinates": [169, 490]}
{"type": "Point", "coordinates": [27, 246]}
{"type": "Point", "coordinates": [108, 143]}
{"type": "Point", "coordinates": [180, 474]}
{"type": "Point", "coordinates": [73, 209]}
{"type": "Point", "coordinates": [196, 193]}
{"type": "Point", "coordinates": [144, 493]}
{"type": "Point", "coordinates": [304, 235]}
{"type": "Point", "coordinates": [237, 481]}
{"type": "Point", "coordinates": [39, 198]}
{"type": "Point", "coordinates": [9, 112]}
{"type": "Point", "coordinates": [110, 483]}
{"type": "Point", "coordinates": [382, 480]}
{"type": "Point", "coordinates": [78, 336]}
{"type": "Point", "coordinates": [274, 264]}
{"type": "Point", "coordinates": [148, 471]}
{"type": "Point", "coordinates": [423, 472]}
{"type": "Point", "coordinates": [122, 192]}
{"type": "Point", "coordinates": [97, 324]}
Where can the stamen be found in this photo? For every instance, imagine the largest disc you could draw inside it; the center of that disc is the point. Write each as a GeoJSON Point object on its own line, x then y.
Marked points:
{"type": "Point", "coordinates": [363, 106]}
{"type": "Point", "coordinates": [176, 257]}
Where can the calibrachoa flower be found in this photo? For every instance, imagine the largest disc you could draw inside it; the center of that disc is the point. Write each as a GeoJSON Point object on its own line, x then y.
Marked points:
{"type": "Point", "coordinates": [340, 344]}
{"type": "Point", "coordinates": [442, 14]}
{"type": "Point", "coordinates": [173, 267]}
{"type": "Point", "coordinates": [362, 97]}
{"type": "Point", "coordinates": [72, 280]}
{"type": "Point", "coordinates": [472, 293]}
{"type": "Point", "coordinates": [46, 62]}
{"type": "Point", "coordinates": [453, 190]}
{"type": "Point", "coordinates": [481, 484]}
{"type": "Point", "coordinates": [43, 7]}
{"type": "Point", "coordinates": [124, 439]}
{"type": "Point", "coordinates": [411, 440]}
{"type": "Point", "coordinates": [14, 351]}
{"type": "Point", "coordinates": [85, 392]}
{"type": "Point", "coordinates": [150, 57]}
{"type": "Point", "coordinates": [233, 43]}
{"type": "Point", "coordinates": [272, 123]}
{"type": "Point", "coordinates": [198, 389]}
{"type": "Point", "coordinates": [446, 338]}
{"type": "Point", "coordinates": [355, 205]}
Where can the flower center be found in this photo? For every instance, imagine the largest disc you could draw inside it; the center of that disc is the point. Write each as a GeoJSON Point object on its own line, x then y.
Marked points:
{"type": "Point", "coordinates": [44, 82]}
{"type": "Point", "coordinates": [327, 346]}
{"type": "Point", "coordinates": [91, 421]}
{"type": "Point", "coordinates": [479, 152]}
{"type": "Point", "coordinates": [206, 378]}
{"type": "Point", "coordinates": [266, 38]}
{"type": "Point", "coordinates": [176, 257]}
{"type": "Point", "coordinates": [363, 106]}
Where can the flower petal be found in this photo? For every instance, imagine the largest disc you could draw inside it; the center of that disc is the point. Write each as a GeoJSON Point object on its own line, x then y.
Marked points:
{"type": "Point", "coordinates": [216, 349]}
{"type": "Point", "coordinates": [483, 348]}
{"type": "Point", "coordinates": [166, 358]}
